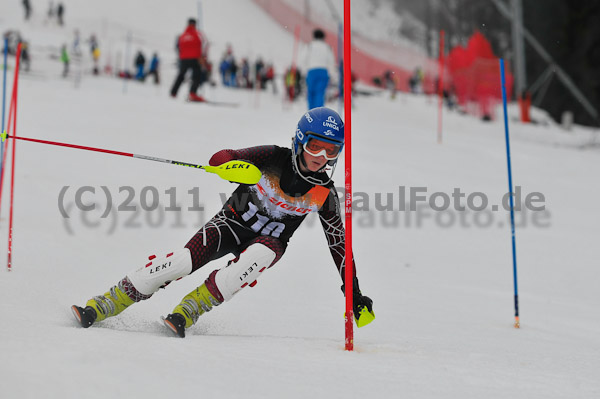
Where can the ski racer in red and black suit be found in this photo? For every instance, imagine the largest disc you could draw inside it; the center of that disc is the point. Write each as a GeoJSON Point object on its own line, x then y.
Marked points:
{"type": "Point", "coordinates": [255, 224]}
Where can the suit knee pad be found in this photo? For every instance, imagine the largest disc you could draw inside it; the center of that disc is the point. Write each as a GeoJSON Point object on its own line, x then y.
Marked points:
{"type": "Point", "coordinates": [237, 275]}
{"type": "Point", "coordinates": [161, 271]}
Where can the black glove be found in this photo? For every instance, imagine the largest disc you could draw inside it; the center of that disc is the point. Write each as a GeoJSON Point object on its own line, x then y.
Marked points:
{"type": "Point", "coordinates": [359, 300]}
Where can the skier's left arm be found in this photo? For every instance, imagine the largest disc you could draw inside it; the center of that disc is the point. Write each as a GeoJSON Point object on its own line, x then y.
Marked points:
{"type": "Point", "coordinates": [329, 214]}
{"type": "Point", "coordinates": [255, 155]}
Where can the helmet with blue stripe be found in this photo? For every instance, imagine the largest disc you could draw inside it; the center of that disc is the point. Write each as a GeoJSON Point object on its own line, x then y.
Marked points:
{"type": "Point", "coordinates": [323, 124]}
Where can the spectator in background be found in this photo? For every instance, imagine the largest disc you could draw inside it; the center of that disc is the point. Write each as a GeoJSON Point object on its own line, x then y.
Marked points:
{"type": "Point", "coordinates": [95, 50]}
{"type": "Point", "coordinates": [415, 82]}
{"type": "Point", "coordinates": [190, 57]}
{"type": "Point", "coordinates": [318, 63]}
{"type": "Point", "coordinates": [233, 68]}
{"type": "Point", "coordinates": [269, 76]}
{"type": "Point", "coordinates": [153, 69]}
{"type": "Point", "coordinates": [259, 65]}
{"type": "Point", "coordinates": [228, 68]}
{"type": "Point", "coordinates": [140, 63]}
{"type": "Point", "coordinates": [14, 38]}
{"type": "Point", "coordinates": [50, 14]}
{"type": "Point", "coordinates": [96, 57]}
{"type": "Point", "coordinates": [64, 58]}
{"type": "Point", "coordinates": [292, 81]}
{"type": "Point", "coordinates": [76, 44]}
{"type": "Point", "coordinates": [223, 69]}
{"type": "Point", "coordinates": [389, 79]}
{"type": "Point", "coordinates": [245, 81]}
{"type": "Point", "coordinates": [60, 12]}
{"type": "Point", "coordinates": [27, 7]}
{"type": "Point", "coordinates": [25, 60]}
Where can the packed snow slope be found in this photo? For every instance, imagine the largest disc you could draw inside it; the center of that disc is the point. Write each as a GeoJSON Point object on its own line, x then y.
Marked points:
{"type": "Point", "coordinates": [442, 285]}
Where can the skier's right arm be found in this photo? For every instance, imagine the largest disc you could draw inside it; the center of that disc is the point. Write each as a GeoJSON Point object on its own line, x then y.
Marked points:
{"type": "Point", "coordinates": [255, 155]}
{"type": "Point", "coordinates": [334, 231]}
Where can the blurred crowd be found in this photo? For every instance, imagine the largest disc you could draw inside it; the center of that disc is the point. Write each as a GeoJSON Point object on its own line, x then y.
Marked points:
{"type": "Point", "coordinates": [315, 77]}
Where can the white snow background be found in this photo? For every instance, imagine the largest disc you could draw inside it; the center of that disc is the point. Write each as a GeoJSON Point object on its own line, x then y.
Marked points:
{"type": "Point", "coordinates": [442, 291]}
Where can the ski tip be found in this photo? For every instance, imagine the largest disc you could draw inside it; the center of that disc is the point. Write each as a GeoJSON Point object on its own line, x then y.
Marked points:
{"type": "Point", "coordinates": [85, 316]}
{"type": "Point", "coordinates": [75, 310]}
{"type": "Point", "coordinates": [169, 324]}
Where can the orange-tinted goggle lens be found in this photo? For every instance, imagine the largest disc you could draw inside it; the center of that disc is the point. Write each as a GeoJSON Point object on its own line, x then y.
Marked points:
{"type": "Point", "coordinates": [316, 147]}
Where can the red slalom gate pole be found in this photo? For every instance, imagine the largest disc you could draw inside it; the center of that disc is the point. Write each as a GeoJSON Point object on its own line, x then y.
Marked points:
{"type": "Point", "coordinates": [349, 272]}
{"type": "Point", "coordinates": [4, 156]}
{"type": "Point", "coordinates": [10, 113]}
{"type": "Point", "coordinates": [12, 178]}
{"type": "Point", "coordinates": [441, 87]}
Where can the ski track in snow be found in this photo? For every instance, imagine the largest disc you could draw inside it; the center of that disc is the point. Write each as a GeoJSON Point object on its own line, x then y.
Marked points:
{"type": "Point", "coordinates": [443, 296]}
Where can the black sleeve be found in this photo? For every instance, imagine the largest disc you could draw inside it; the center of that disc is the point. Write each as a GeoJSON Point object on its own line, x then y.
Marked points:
{"type": "Point", "coordinates": [331, 220]}
{"type": "Point", "coordinates": [255, 155]}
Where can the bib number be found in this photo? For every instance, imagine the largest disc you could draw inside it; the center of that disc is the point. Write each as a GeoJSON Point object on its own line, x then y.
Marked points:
{"type": "Point", "coordinates": [263, 225]}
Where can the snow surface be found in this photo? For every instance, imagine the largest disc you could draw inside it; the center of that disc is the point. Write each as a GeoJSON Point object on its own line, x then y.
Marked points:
{"type": "Point", "coordinates": [443, 296]}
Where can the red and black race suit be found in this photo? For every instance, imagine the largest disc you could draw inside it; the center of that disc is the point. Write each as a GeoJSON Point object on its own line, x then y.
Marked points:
{"type": "Point", "coordinates": [281, 200]}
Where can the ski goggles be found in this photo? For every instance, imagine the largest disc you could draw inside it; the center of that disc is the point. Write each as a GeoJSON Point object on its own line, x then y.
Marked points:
{"type": "Point", "coordinates": [317, 148]}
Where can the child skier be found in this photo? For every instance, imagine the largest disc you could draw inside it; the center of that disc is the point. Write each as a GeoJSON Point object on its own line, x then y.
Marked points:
{"type": "Point", "coordinates": [255, 225]}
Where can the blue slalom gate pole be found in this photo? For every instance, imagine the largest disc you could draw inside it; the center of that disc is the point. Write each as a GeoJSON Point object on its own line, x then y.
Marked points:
{"type": "Point", "coordinates": [510, 189]}
{"type": "Point", "coordinates": [3, 100]}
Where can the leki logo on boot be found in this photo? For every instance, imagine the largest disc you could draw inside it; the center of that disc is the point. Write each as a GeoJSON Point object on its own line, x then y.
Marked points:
{"type": "Point", "coordinates": [247, 272]}
{"type": "Point", "coordinates": [158, 268]}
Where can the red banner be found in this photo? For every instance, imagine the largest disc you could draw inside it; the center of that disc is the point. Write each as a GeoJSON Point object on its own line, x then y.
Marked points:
{"type": "Point", "coordinates": [475, 76]}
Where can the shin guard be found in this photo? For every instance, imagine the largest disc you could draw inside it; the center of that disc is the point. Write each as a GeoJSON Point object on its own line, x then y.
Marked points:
{"type": "Point", "coordinates": [161, 271]}
{"type": "Point", "coordinates": [237, 275]}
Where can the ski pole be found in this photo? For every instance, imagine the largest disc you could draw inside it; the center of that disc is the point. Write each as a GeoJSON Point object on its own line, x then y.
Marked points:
{"type": "Point", "coordinates": [234, 171]}
{"type": "Point", "coordinates": [510, 189]}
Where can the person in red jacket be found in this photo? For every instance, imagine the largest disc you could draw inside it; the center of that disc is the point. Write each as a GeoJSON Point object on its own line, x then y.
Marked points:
{"type": "Point", "coordinates": [190, 57]}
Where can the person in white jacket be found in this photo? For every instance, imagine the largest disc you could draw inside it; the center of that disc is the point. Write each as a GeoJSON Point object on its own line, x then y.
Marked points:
{"type": "Point", "coordinates": [319, 65]}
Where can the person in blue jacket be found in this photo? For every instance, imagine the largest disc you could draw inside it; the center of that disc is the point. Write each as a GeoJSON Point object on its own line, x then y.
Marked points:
{"type": "Point", "coordinates": [153, 69]}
